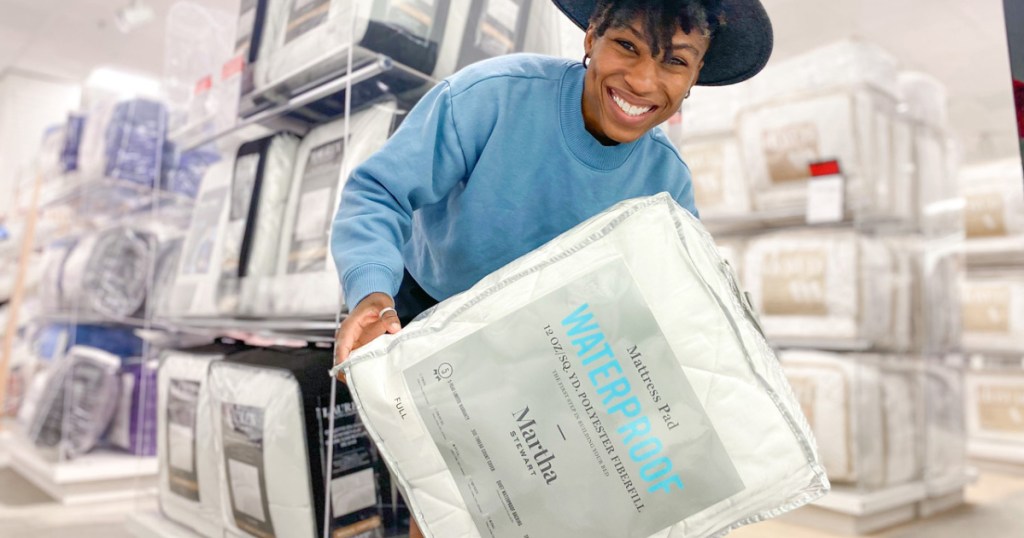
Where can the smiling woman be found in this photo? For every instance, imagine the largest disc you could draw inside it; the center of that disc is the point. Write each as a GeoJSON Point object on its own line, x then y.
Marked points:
{"type": "Point", "coordinates": [636, 78]}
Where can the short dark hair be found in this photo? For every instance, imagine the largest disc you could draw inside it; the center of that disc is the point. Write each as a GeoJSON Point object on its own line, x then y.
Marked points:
{"type": "Point", "coordinates": [660, 18]}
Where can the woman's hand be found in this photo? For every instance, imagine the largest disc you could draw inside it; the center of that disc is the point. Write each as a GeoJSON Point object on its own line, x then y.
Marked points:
{"type": "Point", "coordinates": [365, 323]}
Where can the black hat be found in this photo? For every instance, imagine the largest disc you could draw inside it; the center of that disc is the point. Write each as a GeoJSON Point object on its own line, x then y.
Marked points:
{"type": "Point", "coordinates": [739, 49]}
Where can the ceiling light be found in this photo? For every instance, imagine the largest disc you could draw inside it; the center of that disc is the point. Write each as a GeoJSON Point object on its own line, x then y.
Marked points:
{"type": "Point", "coordinates": [133, 15]}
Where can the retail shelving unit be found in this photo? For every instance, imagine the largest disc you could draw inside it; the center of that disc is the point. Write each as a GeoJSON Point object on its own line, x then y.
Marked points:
{"type": "Point", "coordinates": [96, 477]}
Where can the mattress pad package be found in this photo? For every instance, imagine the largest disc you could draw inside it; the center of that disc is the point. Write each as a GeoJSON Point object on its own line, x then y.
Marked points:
{"type": "Point", "coordinates": [133, 427]}
{"type": "Point", "coordinates": [864, 412]}
{"type": "Point", "coordinates": [107, 273]}
{"type": "Point", "coordinates": [124, 140]}
{"type": "Point", "coordinates": [195, 286]}
{"type": "Point", "coordinates": [271, 416]}
{"type": "Point", "coordinates": [305, 282]}
{"type": "Point", "coordinates": [834, 285]}
{"type": "Point", "coordinates": [78, 402]}
{"type": "Point", "coordinates": [591, 388]}
{"type": "Point", "coordinates": [305, 41]}
{"type": "Point", "coordinates": [995, 401]}
{"type": "Point", "coordinates": [260, 186]}
{"type": "Point", "coordinates": [993, 311]}
{"type": "Point", "coordinates": [945, 423]}
{"type": "Point", "coordinates": [189, 486]}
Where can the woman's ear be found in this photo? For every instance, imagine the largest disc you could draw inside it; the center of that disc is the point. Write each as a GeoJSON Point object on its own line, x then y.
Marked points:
{"type": "Point", "coordinates": [588, 40]}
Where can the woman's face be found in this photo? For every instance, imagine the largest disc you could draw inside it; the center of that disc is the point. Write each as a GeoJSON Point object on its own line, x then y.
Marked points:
{"type": "Point", "coordinates": [627, 91]}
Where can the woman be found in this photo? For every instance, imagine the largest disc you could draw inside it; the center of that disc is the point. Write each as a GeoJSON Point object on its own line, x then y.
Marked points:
{"type": "Point", "coordinates": [509, 153]}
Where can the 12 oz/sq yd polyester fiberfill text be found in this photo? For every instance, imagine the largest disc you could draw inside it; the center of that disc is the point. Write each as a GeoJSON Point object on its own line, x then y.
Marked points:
{"type": "Point", "coordinates": [611, 384]}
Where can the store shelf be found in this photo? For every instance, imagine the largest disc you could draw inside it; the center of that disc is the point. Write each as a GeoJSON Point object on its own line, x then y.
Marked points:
{"type": "Point", "coordinates": [754, 220]}
{"type": "Point", "coordinates": [307, 329]}
{"type": "Point", "coordinates": [945, 493]}
{"type": "Point", "coordinates": [995, 252]}
{"type": "Point", "coordinates": [72, 318]}
{"type": "Point", "coordinates": [821, 344]}
{"type": "Point", "coordinates": [99, 476]}
{"type": "Point", "coordinates": [155, 525]}
{"type": "Point", "coordinates": [997, 452]}
{"type": "Point", "coordinates": [369, 81]}
{"type": "Point", "coordinates": [850, 511]}
{"type": "Point", "coordinates": [111, 197]}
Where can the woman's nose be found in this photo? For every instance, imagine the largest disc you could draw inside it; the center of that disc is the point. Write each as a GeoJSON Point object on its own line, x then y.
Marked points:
{"type": "Point", "coordinates": [642, 76]}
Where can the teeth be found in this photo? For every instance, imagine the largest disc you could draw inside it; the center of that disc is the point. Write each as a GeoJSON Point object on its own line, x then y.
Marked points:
{"type": "Point", "coordinates": [629, 109]}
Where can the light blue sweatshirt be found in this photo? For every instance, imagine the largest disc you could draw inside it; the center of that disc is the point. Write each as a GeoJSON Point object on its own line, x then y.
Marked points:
{"type": "Point", "coordinates": [492, 163]}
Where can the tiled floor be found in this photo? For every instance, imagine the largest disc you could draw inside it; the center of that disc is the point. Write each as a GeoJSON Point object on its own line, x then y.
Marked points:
{"type": "Point", "coordinates": [995, 509]}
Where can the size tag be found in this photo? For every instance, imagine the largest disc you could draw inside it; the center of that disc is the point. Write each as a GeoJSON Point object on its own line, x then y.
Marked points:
{"type": "Point", "coordinates": [826, 193]}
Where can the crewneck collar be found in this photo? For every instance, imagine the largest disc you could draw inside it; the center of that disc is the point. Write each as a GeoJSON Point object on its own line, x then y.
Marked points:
{"type": "Point", "coordinates": [581, 143]}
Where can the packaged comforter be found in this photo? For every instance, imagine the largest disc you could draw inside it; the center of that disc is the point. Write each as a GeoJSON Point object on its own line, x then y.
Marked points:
{"type": "Point", "coordinates": [189, 486]}
{"type": "Point", "coordinates": [271, 413]}
{"type": "Point", "coordinates": [993, 311]}
{"type": "Point", "coordinates": [995, 401]}
{"type": "Point", "coordinates": [304, 41]}
{"type": "Point", "coordinates": [305, 282]}
{"type": "Point", "coordinates": [260, 187]}
{"type": "Point", "coordinates": [994, 208]}
{"type": "Point", "coordinates": [865, 413]}
{"type": "Point", "coordinates": [833, 285]}
{"type": "Point", "coordinates": [612, 383]}
{"type": "Point", "coordinates": [107, 273]}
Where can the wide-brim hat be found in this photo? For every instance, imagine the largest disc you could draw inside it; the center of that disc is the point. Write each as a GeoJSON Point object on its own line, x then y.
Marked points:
{"type": "Point", "coordinates": [739, 49]}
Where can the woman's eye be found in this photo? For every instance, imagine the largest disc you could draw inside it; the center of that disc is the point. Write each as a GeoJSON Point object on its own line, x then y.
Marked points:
{"type": "Point", "coordinates": [626, 45]}
{"type": "Point", "coordinates": [678, 61]}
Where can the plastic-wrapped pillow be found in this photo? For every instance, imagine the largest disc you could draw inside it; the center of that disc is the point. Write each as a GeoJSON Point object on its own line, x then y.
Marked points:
{"type": "Point", "coordinates": [124, 141]}
{"type": "Point", "coordinates": [612, 383]}
{"type": "Point", "coordinates": [78, 402]}
{"type": "Point", "coordinates": [106, 273]}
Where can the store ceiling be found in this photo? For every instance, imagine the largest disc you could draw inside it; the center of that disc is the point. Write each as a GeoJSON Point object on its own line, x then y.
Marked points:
{"type": "Point", "coordinates": [961, 42]}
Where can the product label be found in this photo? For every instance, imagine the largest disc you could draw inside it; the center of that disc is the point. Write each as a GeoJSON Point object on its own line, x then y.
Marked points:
{"type": "Point", "coordinates": [707, 165]}
{"type": "Point", "coordinates": [415, 15]}
{"type": "Point", "coordinates": [242, 185]}
{"type": "Point", "coordinates": [986, 309]}
{"type": "Point", "coordinates": [198, 250]}
{"type": "Point", "coordinates": [572, 417]}
{"type": "Point", "coordinates": [789, 151]}
{"type": "Point", "coordinates": [793, 283]}
{"type": "Point", "coordinates": [1001, 406]}
{"type": "Point", "coordinates": [496, 29]}
{"type": "Point", "coordinates": [182, 398]}
{"type": "Point", "coordinates": [355, 471]}
{"type": "Point", "coordinates": [243, 457]}
{"type": "Point", "coordinates": [309, 244]}
{"type": "Point", "coordinates": [306, 15]}
{"type": "Point", "coordinates": [245, 27]}
{"type": "Point", "coordinates": [985, 215]}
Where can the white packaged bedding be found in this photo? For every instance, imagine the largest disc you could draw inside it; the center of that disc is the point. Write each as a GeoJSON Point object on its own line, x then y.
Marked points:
{"type": "Point", "coordinates": [612, 383]}
{"type": "Point", "coordinates": [194, 292]}
{"type": "Point", "coordinates": [305, 282]}
{"type": "Point", "coordinates": [993, 311]}
{"type": "Point", "coordinates": [995, 401]}
{"type": "Point", "coordinates": [829, 284]}
{"type": "Point", "coordinates": [994, 197]}
{"type": "Point", "coordinates": [864, 415]}
{"type": "Point", "coordinates": [306, 40]}
{"type": "Point", "coordinates": [189, 485]}
{"type": "Point", "coordinates": [260, 186]}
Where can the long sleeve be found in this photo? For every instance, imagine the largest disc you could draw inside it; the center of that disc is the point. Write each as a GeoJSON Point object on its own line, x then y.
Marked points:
{"type": "Point", "coordinates": [417, 167]}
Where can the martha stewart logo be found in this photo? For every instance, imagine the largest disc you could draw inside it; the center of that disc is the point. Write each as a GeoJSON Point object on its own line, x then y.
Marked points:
{"type": "Point", "coordinates": [537, 458]}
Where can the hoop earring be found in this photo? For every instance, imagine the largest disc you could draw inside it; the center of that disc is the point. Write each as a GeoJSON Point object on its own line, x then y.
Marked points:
{"type": "Point", "coordinates": [586, 60]}
{"type": "Point", "coordinates": [687, 96]}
